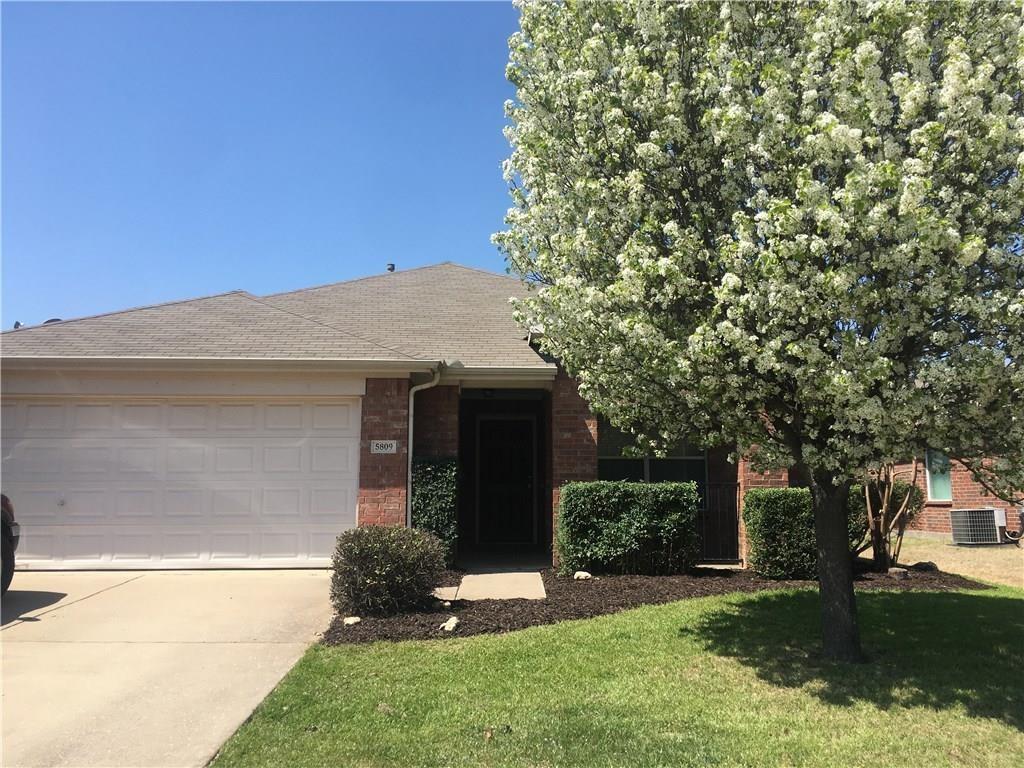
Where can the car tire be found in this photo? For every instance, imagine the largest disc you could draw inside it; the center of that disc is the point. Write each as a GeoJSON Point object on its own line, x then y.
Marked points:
{"type": "Point", "coordinates": [8, 564]}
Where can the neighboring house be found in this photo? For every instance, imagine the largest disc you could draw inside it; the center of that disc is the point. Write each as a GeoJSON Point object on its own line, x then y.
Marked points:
{"type": "Point", "coordinates": [240, 430]}
{"type": "Point", "coordinates": [947, 485]}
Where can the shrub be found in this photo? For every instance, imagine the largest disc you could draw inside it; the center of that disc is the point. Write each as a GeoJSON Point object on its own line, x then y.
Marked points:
{"type": "Point", "coordinates": [383, 570]}
{"type": "Point", "coordinates": [435, 495]}
{"type": "Point", "coordinates": [780, 532]}
{"type": "Point", "coordinates": [624, 527]}
{"type": "Point", "coordinates": [899, 492]}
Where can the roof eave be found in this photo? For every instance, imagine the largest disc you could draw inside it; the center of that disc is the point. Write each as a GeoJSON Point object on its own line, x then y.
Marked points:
{"type": "Point", "coordinates": [365, 367]}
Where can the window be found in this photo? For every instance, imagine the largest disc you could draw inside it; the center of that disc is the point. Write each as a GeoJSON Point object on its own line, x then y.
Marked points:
{"type": "Point", "coordinates": [682, 464]}
{"type": "Point", "coordinates": [940, 485]}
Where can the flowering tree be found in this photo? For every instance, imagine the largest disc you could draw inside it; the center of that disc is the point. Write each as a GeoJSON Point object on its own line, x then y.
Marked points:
{"type": "Point", "coordinates": [793, 228]}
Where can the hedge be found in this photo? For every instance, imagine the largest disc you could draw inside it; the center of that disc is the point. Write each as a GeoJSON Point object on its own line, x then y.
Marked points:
{"type": "Point", "coordinates": [435, 499]}
{"type": "Point", "coordinates": [385, 569]}
{"type": "Point", "coordinates": [780, 532]}
{"type": "Point", "coordinates": [627, 527]}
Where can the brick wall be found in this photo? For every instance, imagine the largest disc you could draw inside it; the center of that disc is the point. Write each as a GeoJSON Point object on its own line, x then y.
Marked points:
{"type": "Point", "coordinates": [436, 423]}
{"type": "Point", "coordinates": [748, 478]}
{"type": "Point", "coordinates": [967, 494]}
{"type": "Point", "coordinates": [382, 477]}
{"type": "Point", "coordinates": [573, 438]}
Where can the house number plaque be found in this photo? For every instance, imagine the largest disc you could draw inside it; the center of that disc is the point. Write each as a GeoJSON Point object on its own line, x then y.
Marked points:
{"type": "Point", "coordinates": [383, 446]}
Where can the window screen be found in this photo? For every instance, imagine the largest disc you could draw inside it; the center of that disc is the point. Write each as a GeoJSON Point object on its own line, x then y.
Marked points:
{"type": "Point", "coordinates": [940, 485]}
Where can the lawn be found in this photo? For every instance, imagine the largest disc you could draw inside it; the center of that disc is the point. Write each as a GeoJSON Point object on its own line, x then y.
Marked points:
{"type": "Point", "coordinates": [726, 680]}
{"type": "Point", "coordinates": [1002, 564]}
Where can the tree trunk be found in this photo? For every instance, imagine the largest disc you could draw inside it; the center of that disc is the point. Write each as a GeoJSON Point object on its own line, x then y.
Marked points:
{"type": "Point", "coordinates": [840, 635]}
{"type": "Point", "coordinates": [880, 550]}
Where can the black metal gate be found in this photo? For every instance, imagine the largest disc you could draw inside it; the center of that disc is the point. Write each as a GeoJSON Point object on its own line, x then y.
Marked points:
{"type": "Point", "coordinates": [719, 523]}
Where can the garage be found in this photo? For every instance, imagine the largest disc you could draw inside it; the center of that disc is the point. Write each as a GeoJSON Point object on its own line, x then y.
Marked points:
{"type": "Point", "coordinates": [180, 482]}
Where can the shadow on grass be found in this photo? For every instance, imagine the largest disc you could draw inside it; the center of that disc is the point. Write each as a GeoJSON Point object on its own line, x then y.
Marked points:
{"type": "Point", "coordinates": [931, 649]}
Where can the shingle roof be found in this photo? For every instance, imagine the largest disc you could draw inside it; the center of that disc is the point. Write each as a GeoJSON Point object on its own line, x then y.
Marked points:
{"type": "Point", "coordinates": [442, 312]}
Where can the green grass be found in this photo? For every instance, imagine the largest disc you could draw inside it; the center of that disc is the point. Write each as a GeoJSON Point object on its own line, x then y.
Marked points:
{"type": "Point", "coordinates": [732, 680]}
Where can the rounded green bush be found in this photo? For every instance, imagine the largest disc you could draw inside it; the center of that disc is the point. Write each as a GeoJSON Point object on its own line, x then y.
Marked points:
{"type": "Point", "coordinates": [384, 570]}
{"type": "Point", "coordinates": [624, 527]}
{"type": "Point", "coordinates": [780, 532]}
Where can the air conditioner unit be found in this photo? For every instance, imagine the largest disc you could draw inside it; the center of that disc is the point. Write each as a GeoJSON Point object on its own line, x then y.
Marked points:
{"type": "Point", "coordinates": [977, 526]}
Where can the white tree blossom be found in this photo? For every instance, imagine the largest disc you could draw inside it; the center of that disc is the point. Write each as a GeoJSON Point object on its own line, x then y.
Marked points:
{"type": "Point", "coordinates": [793, 228]}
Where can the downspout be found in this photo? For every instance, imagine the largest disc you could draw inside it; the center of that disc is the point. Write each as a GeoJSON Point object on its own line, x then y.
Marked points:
{"type": "Point", "coordinates": [412, 408]}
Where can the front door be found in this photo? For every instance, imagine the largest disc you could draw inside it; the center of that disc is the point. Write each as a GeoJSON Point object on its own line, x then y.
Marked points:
{"type": "Point", "coordinates": [506, 476]}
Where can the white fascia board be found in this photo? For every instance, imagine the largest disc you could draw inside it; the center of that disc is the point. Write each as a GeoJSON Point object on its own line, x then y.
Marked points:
{"type": "Point", "coordinates": [369, 368]}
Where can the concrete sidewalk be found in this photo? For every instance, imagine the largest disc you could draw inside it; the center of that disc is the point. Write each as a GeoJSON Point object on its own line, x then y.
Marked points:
{"type": "Point", "coordinates": [499, 585]}
{"type": "Point", "coordinates": [154, 668]}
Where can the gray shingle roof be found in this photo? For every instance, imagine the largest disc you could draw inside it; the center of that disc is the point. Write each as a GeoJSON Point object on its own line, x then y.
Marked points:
{"type": "Point", "coordinates": [442, 312]}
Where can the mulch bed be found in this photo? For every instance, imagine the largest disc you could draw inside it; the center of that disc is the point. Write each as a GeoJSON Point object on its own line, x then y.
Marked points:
{"type": "Point", "coordinates": [570, 599]}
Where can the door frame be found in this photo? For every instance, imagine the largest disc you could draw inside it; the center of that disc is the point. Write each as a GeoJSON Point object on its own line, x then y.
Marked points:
{"type": "Point", "coordinates": [532, 419]}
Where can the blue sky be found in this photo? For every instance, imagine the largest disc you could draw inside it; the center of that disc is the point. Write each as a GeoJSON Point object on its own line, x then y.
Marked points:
{"type": "Point", "coordinates": [153, 152]}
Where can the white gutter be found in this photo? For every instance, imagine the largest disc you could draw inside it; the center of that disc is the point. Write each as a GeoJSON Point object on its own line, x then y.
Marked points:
{"type": "Point", "coordinates": [412, 407]}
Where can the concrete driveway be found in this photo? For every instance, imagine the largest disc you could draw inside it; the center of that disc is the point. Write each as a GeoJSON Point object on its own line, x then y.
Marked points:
{"type": "Point", "coordinates": [151, 668]}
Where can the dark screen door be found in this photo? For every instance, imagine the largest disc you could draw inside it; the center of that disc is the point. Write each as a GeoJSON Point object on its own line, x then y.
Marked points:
{"type": "Point", "coordinates": [505, 484]}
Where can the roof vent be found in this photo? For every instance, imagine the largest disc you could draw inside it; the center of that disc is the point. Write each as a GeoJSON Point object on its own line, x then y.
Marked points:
{"type": "Point", "coordinates": [17, 324]}
{"type": "Point", "coordinates": [52, 320]}
{"type": "Point", "coordinates": [390, 267]}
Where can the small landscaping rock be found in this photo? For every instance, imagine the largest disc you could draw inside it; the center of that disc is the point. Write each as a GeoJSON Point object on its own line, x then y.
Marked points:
{"type": "Point", "coordinates": [447, 603]}
{"type": "Point", "coordinates": [925, 565]}
{"type": "Point", "coordinates": [898, 573]}
{"type": "Point", "coordinates": [581, 576]}
{"type": "Point", "coordinates": [348, 621]}
{"type": "Point", "coordinates": [451, 624]}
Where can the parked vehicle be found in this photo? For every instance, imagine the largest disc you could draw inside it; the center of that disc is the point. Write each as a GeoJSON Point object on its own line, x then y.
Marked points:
{"type": "Point", "coordinates": [9, 537]}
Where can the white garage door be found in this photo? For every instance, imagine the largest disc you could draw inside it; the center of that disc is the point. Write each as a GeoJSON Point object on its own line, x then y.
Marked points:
{"type": "Point", "coordinates": [180, 483]}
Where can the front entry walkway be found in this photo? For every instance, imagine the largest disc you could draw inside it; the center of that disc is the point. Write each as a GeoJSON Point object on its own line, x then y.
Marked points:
{"type": "Point", "coordinates": [496, 585]}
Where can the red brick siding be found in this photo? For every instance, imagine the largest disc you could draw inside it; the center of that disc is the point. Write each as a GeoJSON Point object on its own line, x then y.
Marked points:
{"type": "Point", "coordinates": [748, 478]}
{"type": "Point", "coordinates": [967, 493]}
{"type": "Point", "coordinates": [436, 423]}
{"type": "Point", "coordinates": [573, 438]}
{"type": "Point", "coordinates": [382, 477]}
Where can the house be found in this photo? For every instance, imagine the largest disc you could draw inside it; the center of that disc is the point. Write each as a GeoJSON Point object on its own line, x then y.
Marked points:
{"type": "Point", "coordinates": [239, 430]}
{"type": "Point", "coordinates": [248, 431]}
{"type": "Point", "coordinates": [945, 486]}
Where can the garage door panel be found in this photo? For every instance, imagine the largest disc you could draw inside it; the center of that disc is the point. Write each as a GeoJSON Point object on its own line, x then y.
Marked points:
{"type": "Point", "coordinates": [43, 419]}
{"type": "Point", "coordinates": [37, 544]}
{"type": "Point", "coordinates": [143, 417]}
{"type": "Point", "coordinates": [180, 483]}
{"type": "Point", "coordinates": [92, 418]}
{"type": "Point", "coordinates": [236, 417]}
{"type": "Point", "coordinates": [93, 460]}
{"type": "Point", "coordinates": [282, 503]}
{"type": "Point", "coordinates": [340, 417]}
{"type": "Point", "coordinates": [133, 546]}
{"type": "Point", "coordinates": [188, 417]}
{"type": "Point", "coordinates": [80, 504]}
{"type": "Point", "coordinates": [335, 458]}
{"type": "Point", "coordinates": [185, 459]}
{"type": "Point", "coordinates": [143, 462]}
{"type": "Point", "coordinates": [134, 503]}
{"type": "Point", "coordinates": [284, 417]}
{"type": "Point", "coordinates": [234, 459]}
{"type": "Point", "coordinates": [182, 545]}
{"type": "Point", "coordinates": [37, 459]}
{"type": "Point", "coordinates": [184, 503]}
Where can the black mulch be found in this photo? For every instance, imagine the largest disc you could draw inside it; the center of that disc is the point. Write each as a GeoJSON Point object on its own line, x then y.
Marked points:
{"type": "Point", "coordinates": [570, 599]}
